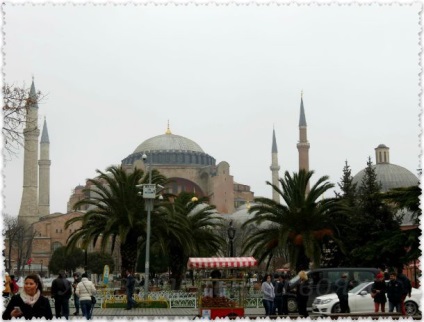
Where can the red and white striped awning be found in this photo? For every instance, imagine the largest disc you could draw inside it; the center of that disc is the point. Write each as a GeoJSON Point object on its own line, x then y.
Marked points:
{"type": "Point", "coordinates": [221, 262]}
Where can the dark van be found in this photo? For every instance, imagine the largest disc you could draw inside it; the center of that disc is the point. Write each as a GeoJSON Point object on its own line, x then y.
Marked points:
{"type": "Point", "coordinates": [322, 281]}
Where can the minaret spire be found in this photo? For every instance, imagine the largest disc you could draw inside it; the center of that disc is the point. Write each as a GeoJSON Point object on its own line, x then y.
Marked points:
{"type": "Point", "coordinates": [274, 167]}
{"type": "Point", "coordinates": [28, 211]}
{"type": "Point", "coordinates": [44, 170]}
{"type": "Point", "coordinates": [303, 144]}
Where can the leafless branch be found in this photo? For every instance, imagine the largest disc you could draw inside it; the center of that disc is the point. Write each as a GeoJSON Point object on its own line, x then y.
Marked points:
{"type": "Point", "coordinates": [16, 102]}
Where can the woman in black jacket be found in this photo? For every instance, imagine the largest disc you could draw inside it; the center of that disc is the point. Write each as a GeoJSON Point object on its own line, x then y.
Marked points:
{"type": "Point", "coordinates": [29, 303]}
{"type": "Point", "coordinates": [302, 293]}
{"type": "Point", "coordinates": [378, 292]}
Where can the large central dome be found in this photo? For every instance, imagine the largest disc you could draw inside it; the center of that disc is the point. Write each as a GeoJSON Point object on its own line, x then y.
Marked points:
{"type": "Point", "coordinates": [168, 142]}
{"type": "Point", "coordinates": [170, 149]}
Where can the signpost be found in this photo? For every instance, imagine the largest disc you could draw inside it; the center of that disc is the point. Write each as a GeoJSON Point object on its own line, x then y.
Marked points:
{"type": "Point", "coordinates": [106, 274]}
{"type": "Point", "coordinates": [149, 191]}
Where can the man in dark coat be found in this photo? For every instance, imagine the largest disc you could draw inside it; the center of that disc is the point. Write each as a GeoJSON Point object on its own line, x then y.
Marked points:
{"type": "Point", "coordinates": [129, 285]}
{"type": "Point", "coordinates": [281, 295]}
{"type": "Point", "coordinates": [394, 292]}
{"type": "Point", "coordinates": [61, 293]}
{"type": "Point", "coordinates": [342, 289]}
{"type": "Point", "coordinates": [407, 288]}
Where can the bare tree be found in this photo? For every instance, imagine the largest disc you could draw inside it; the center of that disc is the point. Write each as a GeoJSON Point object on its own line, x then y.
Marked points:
{"type": "Point", "coordinates": [19, 239]}
{"type": "Point", "coordinates": [16, 102]}
{"type": "Point", "coordinates": [10, 232]}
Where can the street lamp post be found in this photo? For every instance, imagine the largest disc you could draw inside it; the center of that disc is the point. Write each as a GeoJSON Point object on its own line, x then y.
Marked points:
{"type": "Point", "coordinates": [41, 272]}
{"type": "Point", "coordinates": [85, 260]}
{"type": "Point", "coordinates": [149, 207]}
{"type": "Point", "coordinates": [231, 235]}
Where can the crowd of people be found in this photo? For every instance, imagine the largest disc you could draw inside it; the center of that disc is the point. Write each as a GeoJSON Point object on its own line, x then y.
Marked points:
{"type": "Point", "coordinates": [398, 288]}
{"type": "Point", "coordinates": [276, 292]}
{"type": "Point", "coordinates": [31, 303]}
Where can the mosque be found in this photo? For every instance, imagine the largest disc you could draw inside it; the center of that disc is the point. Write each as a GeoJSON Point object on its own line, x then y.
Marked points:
{"type": "Point", "coordinates": [180, 159]}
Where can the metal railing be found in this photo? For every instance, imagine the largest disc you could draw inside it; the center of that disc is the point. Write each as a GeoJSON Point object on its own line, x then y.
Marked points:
{"type": "Point", "coordinates": [175, 299]}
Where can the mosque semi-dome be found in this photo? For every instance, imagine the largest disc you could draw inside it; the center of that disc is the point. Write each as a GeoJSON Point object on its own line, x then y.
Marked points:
{"type": "Point", "coordinates": [388, 175]}
{"type": "Point", "coordinates": [170, 149]}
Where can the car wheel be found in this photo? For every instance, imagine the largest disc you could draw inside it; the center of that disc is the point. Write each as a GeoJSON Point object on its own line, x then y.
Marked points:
{"type": "Point", "coordinates": [292, 305]}
{"type": "Point", "coordinates": [411, 308]}
{"type": "Point", "coordinates": [336, 308]}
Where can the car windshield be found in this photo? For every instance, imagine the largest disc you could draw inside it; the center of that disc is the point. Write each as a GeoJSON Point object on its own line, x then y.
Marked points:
{"type": "Point", "coordinates": [358, 287]}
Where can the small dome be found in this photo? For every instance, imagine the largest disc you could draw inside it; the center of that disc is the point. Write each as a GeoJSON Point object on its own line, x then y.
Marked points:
{"type": "Point", "coordinates": [390, 176]}
{"type": "Point", "coordinates": [168, 142]}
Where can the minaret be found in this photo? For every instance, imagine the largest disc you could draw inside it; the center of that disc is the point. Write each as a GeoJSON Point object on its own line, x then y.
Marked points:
{"type": "Point", "coordinates": [28, 211]}
{"type": "Point", "coordinates": [44, 168]}
{"type": "Point", "coordinates": [303, 144]}
{"type": "Point", "coordinates": [274, 168]}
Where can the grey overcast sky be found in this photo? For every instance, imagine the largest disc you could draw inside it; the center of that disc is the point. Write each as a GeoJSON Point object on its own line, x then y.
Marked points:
{"type": "Point", "coordinates": [224, 76]}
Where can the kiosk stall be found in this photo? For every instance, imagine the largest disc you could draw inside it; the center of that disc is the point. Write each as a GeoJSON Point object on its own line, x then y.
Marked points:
{"type": "Point", "coordinates": [222, 285]}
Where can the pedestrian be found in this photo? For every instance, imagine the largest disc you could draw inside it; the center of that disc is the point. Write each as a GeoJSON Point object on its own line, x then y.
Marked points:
{"type": "Point", "coordinates": [85, 290]}
{"type": "Point", "coordinates": [14, 287]}
{"type": "Point", "coordinates": [302, 293]}
{"type": "Point", "coordinates": [394, 292]}
{"type": "Point", "coordinates": [61, 291]}
{"type": "Point", "coordinates": [142, 281]}
{"type": "Point", "coordinates": [286, 292]}
{"type": "Point", "coordinates": [281, 295]}
{"type": "Point", "coordinates": [342, 291]}
{"type": "Point", "coordinates": [383, 270]}
{"type": "Point", "coordinates": [407, 289]}
{"type": "Point", "coordinates": [77, 279]}
{"type": "Point", "coordinates": [378, 293]}
{"type": "Point", "coordinates": [6, 288]}
{"type": "Point", "coordinates": [268, 295]}
{"type": "Point", "coordinates": [275, 281]}
{"type": "Point", "coordinates": [29, 303]}
{"type": "Point", "coordinates": [129, 290]}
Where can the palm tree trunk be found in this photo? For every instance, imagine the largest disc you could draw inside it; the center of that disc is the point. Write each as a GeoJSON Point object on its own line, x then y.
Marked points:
{"type": "Point", "coordinates": [302, 261]}
{"type": "Point", "coordinates": [178, 263]}
{"type": "Point", "coordinates": [128, 255]}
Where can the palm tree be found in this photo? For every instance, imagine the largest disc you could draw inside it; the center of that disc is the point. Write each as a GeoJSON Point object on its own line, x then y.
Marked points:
{"type": "Point", "coordinates": [199, 238]}
{"type": "Point", "coordinates": [116, 212]}
{"type": "Point", "coordinates": [300, 225]}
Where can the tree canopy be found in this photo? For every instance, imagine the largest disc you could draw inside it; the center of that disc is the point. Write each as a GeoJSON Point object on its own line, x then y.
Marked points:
{"type": "Point", "coordinates": [300, 224]}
